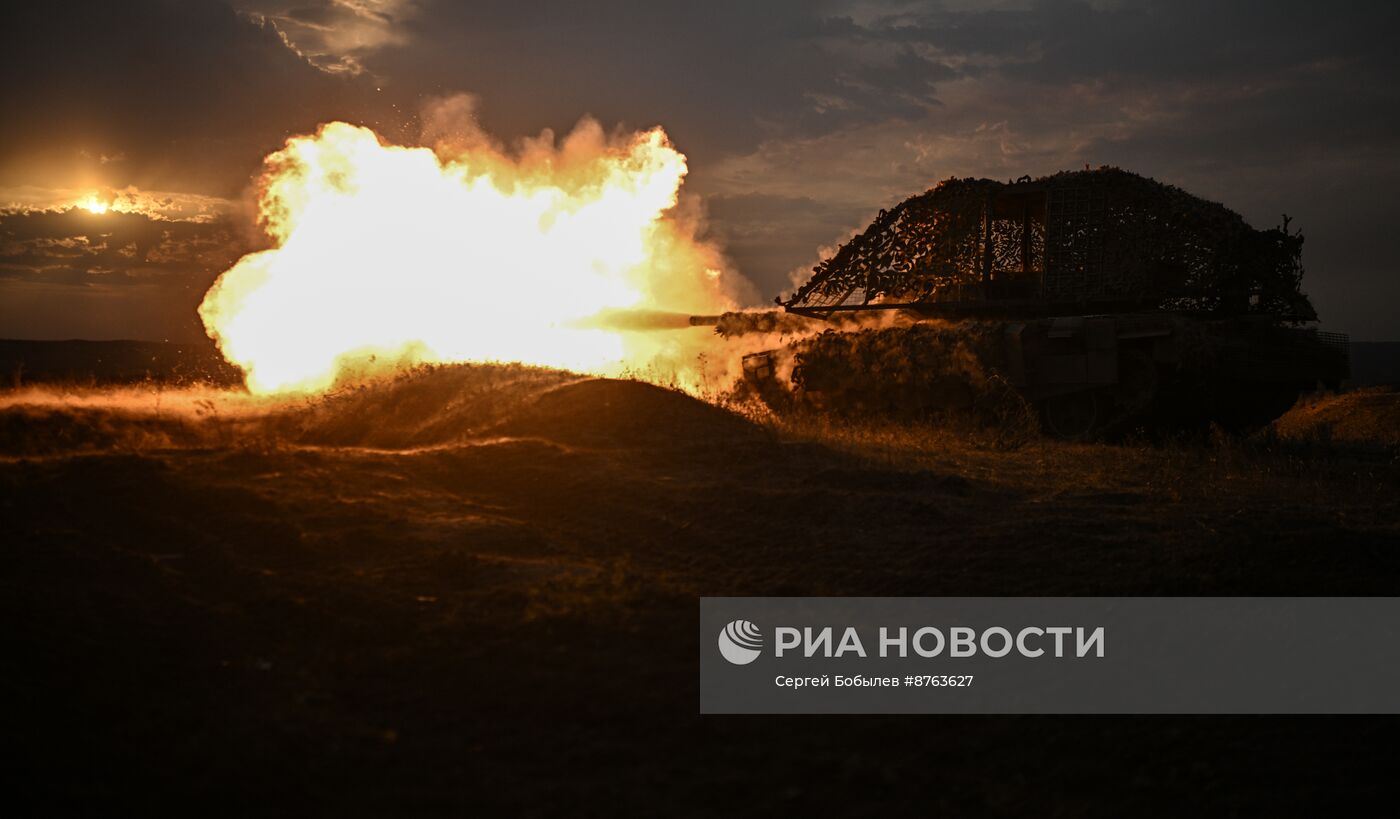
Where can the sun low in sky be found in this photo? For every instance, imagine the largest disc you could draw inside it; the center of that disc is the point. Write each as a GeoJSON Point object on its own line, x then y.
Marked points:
{"type": "Point", "coordinates": [92, 204]}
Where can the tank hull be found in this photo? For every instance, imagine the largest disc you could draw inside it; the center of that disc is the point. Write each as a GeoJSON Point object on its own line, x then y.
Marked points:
{"type": "Point", "coordinates": [1082, 375]}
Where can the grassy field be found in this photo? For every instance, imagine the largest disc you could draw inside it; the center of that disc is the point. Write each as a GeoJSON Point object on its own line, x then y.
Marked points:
{"type": "Point", "coordinates": [474, 590]}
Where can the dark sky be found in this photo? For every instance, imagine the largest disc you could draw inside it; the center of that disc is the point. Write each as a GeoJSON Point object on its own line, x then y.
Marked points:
{"type": "Point", "coordinates": [801, 120]}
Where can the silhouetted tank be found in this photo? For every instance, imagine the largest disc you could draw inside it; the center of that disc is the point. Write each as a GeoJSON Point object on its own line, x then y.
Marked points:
{"type": "Point", "coordinates": [1101, 296]}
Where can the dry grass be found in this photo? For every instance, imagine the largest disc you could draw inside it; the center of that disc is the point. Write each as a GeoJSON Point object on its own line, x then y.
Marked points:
{"type": "Point", "coordinates": [473, 590]}
{"type": "Point", "coordinates": [1343, 443]}
{"type": "Point", "coordinates": [1365, 419]}
{"type": "Point", "coordinates": [1185, 468]}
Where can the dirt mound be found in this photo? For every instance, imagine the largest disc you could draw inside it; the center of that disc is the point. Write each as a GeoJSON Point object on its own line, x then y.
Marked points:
{"type": "Point", "coordinates": [427, 406]}
{"type": "Point", "coordinates": [1367, 418]}
{"type": "Point", "coordinates": [442, 405]}
{"type": "Point", "coordinates": [612, 413]}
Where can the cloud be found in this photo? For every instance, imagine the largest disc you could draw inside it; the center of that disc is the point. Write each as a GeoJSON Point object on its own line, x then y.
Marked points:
{"type": "Point", "coordinates": [174, 96]}
{"type": "Point", "coordinates": [53, 258]}
{"type": "Point", "coordinates": [75, 246]}
{"type": "Point", "coordinates": [721, 76]}
{"type": "Point", "coordinates": [167, 205]}
{"type": "Point", "coordinates": [1268, 107]}
{"type": "Point", "coordinates": [335, 35]}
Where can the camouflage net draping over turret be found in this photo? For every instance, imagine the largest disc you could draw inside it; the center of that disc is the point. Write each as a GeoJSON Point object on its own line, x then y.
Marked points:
{"type": "Point", "coordinates": [1101, 237]}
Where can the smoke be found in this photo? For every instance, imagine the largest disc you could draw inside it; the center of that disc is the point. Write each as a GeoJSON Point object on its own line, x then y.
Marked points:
{"type": "Point", "coordinates": [451, 127]}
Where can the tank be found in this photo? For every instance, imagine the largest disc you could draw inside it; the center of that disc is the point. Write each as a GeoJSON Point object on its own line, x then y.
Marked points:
{"type": "Point", "coordinates": [1099, 298]}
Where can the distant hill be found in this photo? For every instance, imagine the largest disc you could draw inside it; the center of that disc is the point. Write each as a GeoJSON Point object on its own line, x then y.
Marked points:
{"type": "Point", "coordinates": [112, 362]}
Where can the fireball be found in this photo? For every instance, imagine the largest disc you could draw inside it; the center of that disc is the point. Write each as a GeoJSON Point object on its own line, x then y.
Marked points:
{"type": "Point", "coordinates": [383, 254]}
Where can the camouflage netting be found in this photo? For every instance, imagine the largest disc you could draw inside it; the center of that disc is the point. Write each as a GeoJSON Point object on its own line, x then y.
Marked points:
{"type": "Point", "coordinates": [907, 372]}
{"type": "Point", "coordinates": [1103, 237]}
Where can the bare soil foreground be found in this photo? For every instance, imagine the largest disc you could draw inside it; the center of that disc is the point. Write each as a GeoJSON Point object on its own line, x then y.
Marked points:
{"type": "Point", "coordinates": [474, 590]}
